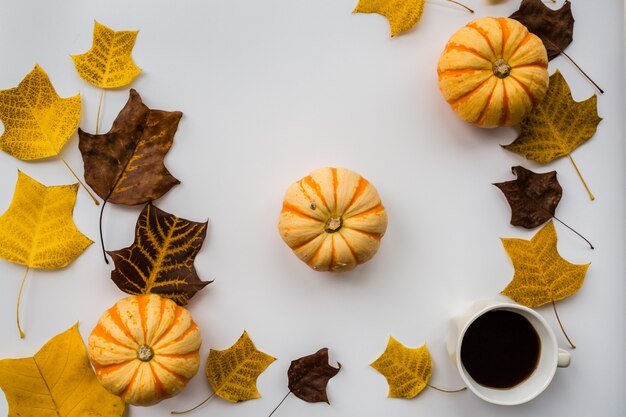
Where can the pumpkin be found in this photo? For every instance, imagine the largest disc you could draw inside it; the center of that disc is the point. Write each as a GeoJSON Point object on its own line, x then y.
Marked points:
{"type": "Point", "coordinates": [493, 71]}
{"type": "Point", "coordinates": [145, 349]}
{"type": "Point", "coordinates": [332, 219]}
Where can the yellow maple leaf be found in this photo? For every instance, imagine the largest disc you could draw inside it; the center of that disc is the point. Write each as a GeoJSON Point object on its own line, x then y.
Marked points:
{"type": "Point", "coordinates": [541, 274]}
{"type": "Point", "coordinates": [57, 381]}
{"type": "Point", "coordinates": [37, 122]}
{"type": "Point", "coordinates": [108, 64]}
{"type": "Point", "coordinates": [407, 370]}
{"type": "Point", "coordinates": [401, 14]}
{"type": "Point", "coordinates": [37, 230]}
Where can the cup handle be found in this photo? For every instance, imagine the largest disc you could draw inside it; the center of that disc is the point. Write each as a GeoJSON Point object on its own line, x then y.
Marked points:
{"type": "Point", "coordinates": [564, 358]}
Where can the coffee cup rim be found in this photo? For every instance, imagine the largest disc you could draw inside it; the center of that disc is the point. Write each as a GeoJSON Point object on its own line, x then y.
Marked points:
{"type": "Point", "coordinates": [548, 333]}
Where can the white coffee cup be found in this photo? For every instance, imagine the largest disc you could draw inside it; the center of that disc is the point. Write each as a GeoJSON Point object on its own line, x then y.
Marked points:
{"type": "Point", "coordinates": [550, 356]}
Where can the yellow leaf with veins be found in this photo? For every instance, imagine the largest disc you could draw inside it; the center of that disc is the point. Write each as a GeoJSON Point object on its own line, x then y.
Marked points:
{"type": "Point", "coordinates": [401, 14]}
{"type": "Point", "coordinates": [233, 372]}
{"type": "Point", "coordinates": [108, 64]}
{"type": "Point", "coordinates": [57, 381]}
{"type": "Point", "coordinates": [37, 122]}
{"type": "Point", "coordinates": [407, 370]}
{"type": "Point", "coordinates": [541, 275]}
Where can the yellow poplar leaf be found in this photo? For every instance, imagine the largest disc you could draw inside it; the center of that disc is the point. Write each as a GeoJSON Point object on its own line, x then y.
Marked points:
{"type": "Point", "coordinates": [37, 122]}
{"type": "Point", "coordinates": [57, 382]}
{"type": "Point", "coordinates": [401, 14]}
{"type": "Point", "coordinates": [541, 275]}
{"type": "Point", "coordinates": [557, 125]}
{"type": "Point", "coordinates": [233, 372]}
{"type": "Point", "coordinates": [407, 370]}
{"type": "Point", "coordinates": [108, 64]}
{"type": "Point", "coordinates": [38, 230]}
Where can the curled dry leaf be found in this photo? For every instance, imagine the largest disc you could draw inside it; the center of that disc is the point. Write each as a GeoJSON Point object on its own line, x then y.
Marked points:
{"type": "Point", "coordinates": [309, 376]}
{"type": "Point", "coordinates": [108, 64]}
{"type": "Point", "coordinates": [37, 230]}
{"type": "Point", "coordinates": [402, 15]}
{"type": "Point", "coordinates": [407, 370]}
{"type": "Point", "coordinates": [533, 197]}
{"type": "Point", "coordinates": [160, 260]}
{"type": "Point", "coordinates": [554, 27]}
{"type": "Point", "coordinates": [57, 381]}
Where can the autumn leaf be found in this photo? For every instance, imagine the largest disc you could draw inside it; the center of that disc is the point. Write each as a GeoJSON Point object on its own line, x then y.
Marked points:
{"type": "Point", "coordinates": [57, 381]}
{"type": "Point", "coordinates": [232, 373]}
{"type": "Point", "coordinates": [541, 275]}
{"type": "Point", "coordinates": [108, 64]}
{"type": "Point", "coordinates": [37, 230]}
{"type": "Point", "coordinates": [554, 27]}
{"type": "Point", "coordinates": [37, 122]}
{"type": "Point", "coordinates": [125, 165]}
{"type": "Point", "coordinates": [160, 260]}
{"type": "Point", "coordinates": [557, 125]}
{"type": "Point", "coordinates": [407, 370]}
{"type": "Point", "coordinates": [402, 15]}
{"type": "Point", "coordinates": [533, 198]}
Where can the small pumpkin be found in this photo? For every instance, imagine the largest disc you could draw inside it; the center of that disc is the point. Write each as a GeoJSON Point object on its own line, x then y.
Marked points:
{"type": "Point", "coordinates": [493, 71]}
{"type": "Point", "coordinates": [145, 349]}
{"type": "Point", "coordinates": [332, 219]}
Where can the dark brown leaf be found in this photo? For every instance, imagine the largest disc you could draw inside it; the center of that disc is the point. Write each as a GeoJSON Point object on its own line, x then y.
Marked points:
{"type": "Point", "coordinates": [533, 197]}
{"type": "Point", "coordinates": [309, 375]}
{"type": "Point", "coordinates": [554, 27]}
{"type": "Point", "coordinates": [125, 165]}
{"type": "Point", "coordinates": [160, 261]}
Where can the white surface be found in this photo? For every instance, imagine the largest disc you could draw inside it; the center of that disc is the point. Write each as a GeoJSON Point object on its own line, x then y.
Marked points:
{"type": "Point", "coordinates": [271, 90]}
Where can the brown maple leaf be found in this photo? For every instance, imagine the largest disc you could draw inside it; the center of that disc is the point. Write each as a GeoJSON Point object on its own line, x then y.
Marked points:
{"type": "Point", "coordinates": [309, 375]}
{"type": "Point", "coordinates": [554, 27]}
{"type": "Point", "coordinates": [125, 165]}
{"type": "Point", "coordinates": [533, 197]}
{"type": "Point", "coordinates": [160, 260]}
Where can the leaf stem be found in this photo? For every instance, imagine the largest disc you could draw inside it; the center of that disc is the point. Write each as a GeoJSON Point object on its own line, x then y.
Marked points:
{"type": "Point", "coordinates": [17, 309]}
{"type": "Point", "coordinates": [104, 252]}
{"type": "Point", "coordinates": [96, 202]}
{"type": "Point", "coordinates": [99, 108]}
{"type": "Point", "coordinates": [591, 196]}
{"type": "Point", "coordinates": [581, 236]}
{"type": "Point", "coordinates": [279, 404]}
{"type": "Point", "coordinates": [577, 67]}
{"type": "Point", "coordinates": [462, 5]}
{"type": "Point", "coordinates": [561, 326]}
{"type": "Point", "coordinates": [446, 390]}
{"type": "Point", "coordinates": [196, 407]}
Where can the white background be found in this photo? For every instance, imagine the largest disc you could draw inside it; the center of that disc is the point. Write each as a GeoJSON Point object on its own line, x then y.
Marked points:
{"type": "Point", "coordinates": [271, 90]}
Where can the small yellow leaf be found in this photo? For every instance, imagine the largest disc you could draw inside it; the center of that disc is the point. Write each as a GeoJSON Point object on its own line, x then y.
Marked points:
{"type": "Point", "coordinates": [38, 230]}
{"type": "Point", "coordinates": [108, 64]}
{"type": "Point", "coordinates": [401, 14]}
{"type": "Point", "coordinates": [541, 275]}
{"type": "Point", "coordinates": [558, 124]}
{"type": "Point", "coordinates": [57, 382]}
{"type": "Point", "coordinates": [407, 370]}
{"type": "Point", "coordinates": [37, 122]}
{"type": "Point", "coordinates": [233, 372]}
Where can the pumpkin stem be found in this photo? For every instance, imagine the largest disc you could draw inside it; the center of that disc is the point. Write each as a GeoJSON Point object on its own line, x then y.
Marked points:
{"type": "Point", "coordinates": [446, 390]}
{"type": "Point", "coordinates": [279, 404]}
{"type": "Point", "coordinates": [333, 224]}
{"type": "Point", "coordinates": [19, 297]}
{"type": "Point", "coordinates": [591, 196]}
{"type": "Point", "coordinates": [501, 68]}
{"type": "Point", "coordinates": [561, 326]}
{"type": "Point", "coordinates": [145, 353]}
{"type": "Point", "coordinates": [196, 407]}
{"type": "Point", "coordinates": [462, 5]}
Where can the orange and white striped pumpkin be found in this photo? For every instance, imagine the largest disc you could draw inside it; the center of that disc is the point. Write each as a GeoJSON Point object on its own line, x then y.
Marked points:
{"type": "Point", "coordinates": [145, 349]}
{"type": "Point", "coordinates": [332, 219]}
{"type": "Point", "coordinates": [493, 71]}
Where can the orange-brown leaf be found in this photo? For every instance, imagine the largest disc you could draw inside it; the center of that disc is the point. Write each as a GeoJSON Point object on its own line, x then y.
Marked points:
{"type": "Point", "coordinates": [160, 261]}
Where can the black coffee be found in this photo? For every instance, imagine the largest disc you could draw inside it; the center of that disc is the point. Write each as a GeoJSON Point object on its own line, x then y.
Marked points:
{"type": "Point", "coordinates": [500, 349]}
